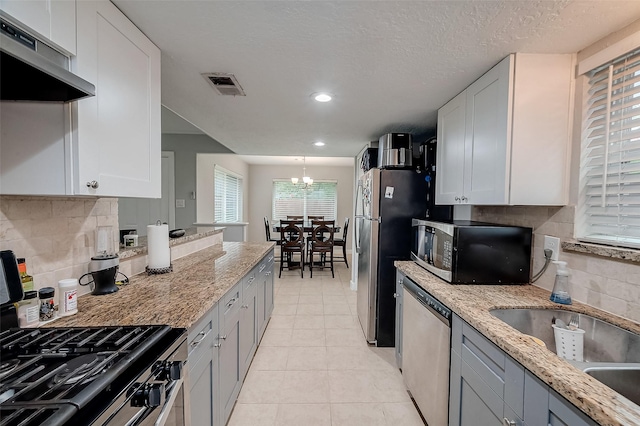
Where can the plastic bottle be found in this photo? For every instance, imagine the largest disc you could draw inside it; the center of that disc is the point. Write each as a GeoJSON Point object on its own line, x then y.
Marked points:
{"type": "Point", "coordinates": [560, 293]}
{"type": "Point", "coordinates": [27, 280]}
{"type": "Point", "coordinates": [28, 310]}
{"type": "Point", "coordinates": [47, 303]}
{"type": "Point", "coordinates": [68, 294]}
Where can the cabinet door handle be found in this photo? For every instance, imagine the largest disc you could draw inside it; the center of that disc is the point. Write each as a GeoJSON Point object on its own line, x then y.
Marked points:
{"type": "Point", "coordinates": [396, 295]}
{"type": "Point", "coordinates": [250, 283]}
{"type": "Point", "coordinates": [262, 267]}
{"type": "Point", "coordinates": [219, 344]}
{"type": "Point", "coordinates": [507, 422]}
{"type": "Point", "coordinates": [231, 302]}
{"type": "Point", "coordinates": [201, 336]}
{"type": "Point", "coordinates": [270, 259]}
{"type": "Point", "coordinates": [245, 306]}
{"type": "Point", "coordinates": [93, 184]}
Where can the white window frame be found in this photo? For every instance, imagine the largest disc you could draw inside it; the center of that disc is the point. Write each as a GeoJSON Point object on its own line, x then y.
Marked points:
{"type": "Point", "coordinates": [303, 193]}
{"type": "Point", "coordinates": [609, 200]}
{"type": "Point", "coordinates": [219, 171]}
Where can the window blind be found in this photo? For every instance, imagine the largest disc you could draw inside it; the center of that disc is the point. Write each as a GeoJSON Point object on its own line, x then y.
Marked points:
{"type": "Point", "coordinates": [610, 156]}
{"type": "Point", "coordinates": [321, 199]}
{"type": "Point", "coordinates": [227, 196]}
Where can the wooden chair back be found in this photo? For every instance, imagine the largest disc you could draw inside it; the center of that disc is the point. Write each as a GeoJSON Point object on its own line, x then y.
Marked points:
{"type": "Point", "coordinates": [291, 236]}
{"type": "Point", "coordinates": [322, 234]}
{"type": "Point", "coordinates": [345, 230]}
{"type": "Point", "coordinates": [266, 229]}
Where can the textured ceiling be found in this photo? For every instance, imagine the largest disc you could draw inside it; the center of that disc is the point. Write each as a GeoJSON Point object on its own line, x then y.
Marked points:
{"type": "Point", "coordinates": [390, 65]}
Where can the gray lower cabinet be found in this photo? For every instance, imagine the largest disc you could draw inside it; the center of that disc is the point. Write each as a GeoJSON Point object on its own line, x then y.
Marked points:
{"type": "Point", "coordinates": [222, 345]}
{"type": "Point", "coordinates": [203, 370]}
{"type": "Point", "coordinates": [229, 350]}
{"type": "Point", "coordinates": [543, 406]}
{"type": "Point", "coordinates": [398, 295]}
{"type": "Point", "coordinates": [489, 387]}
{"type": "Point", "coordinates": [265, 293]}
{"type": "Point", "coordinates": [248, 321]}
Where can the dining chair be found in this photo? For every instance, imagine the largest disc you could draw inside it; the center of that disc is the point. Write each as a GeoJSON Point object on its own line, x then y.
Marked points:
{"type": "Point", "coordinates": [322, 243]}
{"type": "Point", "coordinates": [342, 242]}
{"type": "Point", "coordinates": [295, 217]}
{"type": "Point", "coordinates": [267, 230]}
{"type": "Point", "coordinates": [311, 218]}
{"type": "Point", "coordinates": [291, 242]}
{"type": "Point", "coordinates": [297, 222]}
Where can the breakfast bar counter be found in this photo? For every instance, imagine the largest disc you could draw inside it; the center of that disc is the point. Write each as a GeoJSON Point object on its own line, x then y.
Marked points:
{"type": "Point", "coordinates": [179, 298]}
{"type": "Point", "coordinates": [473, 303]}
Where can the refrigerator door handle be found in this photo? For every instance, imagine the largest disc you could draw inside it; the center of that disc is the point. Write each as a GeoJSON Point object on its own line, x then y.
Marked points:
{"type": "Point", "coordinates": [357, 231]}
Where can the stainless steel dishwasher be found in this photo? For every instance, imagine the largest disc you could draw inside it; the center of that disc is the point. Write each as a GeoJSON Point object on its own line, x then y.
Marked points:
{"type": "Point", "coordinates": [426, 352]}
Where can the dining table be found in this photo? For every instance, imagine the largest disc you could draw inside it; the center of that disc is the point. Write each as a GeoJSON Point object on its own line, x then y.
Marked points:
{"type": "Point", "coordinates": [307, 227]}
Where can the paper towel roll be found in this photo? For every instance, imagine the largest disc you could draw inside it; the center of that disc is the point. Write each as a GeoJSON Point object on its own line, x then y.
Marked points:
{"type": "Point", "coordinates": [158, 252]}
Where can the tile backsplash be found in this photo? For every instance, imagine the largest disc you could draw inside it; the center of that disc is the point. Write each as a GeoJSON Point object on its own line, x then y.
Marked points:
{"type": "Point", "coordinates": [608, 284]}
{"type": "Point", "coordinates": [55, 234]}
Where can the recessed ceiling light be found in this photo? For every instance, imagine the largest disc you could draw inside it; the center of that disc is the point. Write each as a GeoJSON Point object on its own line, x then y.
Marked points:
{"type": "Point", "coordinates": [322, 97]}
{"type": "Point", "coordinates": [319, 143]}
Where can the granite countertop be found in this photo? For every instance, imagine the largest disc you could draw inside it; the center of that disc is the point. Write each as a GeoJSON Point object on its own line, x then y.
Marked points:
{"type": "Point", "coordinates": [179, 298]}
{"type": "Point", "coordinates": [473, 302]}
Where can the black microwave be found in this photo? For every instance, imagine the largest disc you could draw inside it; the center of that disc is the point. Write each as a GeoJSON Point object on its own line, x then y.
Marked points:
{"type": "Point", "coordinates": [468, 252]}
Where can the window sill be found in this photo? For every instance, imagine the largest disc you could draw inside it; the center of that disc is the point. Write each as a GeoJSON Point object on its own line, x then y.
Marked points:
{"type": "Point", "coordinates": [612, 252]}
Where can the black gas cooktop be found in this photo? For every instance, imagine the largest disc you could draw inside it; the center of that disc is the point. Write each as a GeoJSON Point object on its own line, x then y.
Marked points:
{"type": "Point", "coordinates": [48, 376]}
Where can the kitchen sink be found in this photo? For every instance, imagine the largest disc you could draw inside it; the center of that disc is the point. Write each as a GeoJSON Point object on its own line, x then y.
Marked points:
{"type": "Point", "coordinates": [623, 379]}
{"type": "Point", "coordinates": [603, 342]}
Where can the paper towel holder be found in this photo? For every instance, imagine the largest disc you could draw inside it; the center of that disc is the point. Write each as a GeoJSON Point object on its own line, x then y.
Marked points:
{"type": "Point", "coordinates": [164, 270]}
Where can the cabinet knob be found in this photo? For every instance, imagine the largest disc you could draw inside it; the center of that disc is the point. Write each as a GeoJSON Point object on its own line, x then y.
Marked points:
{"type": "Point", "coordinates": [93, 184]}
{"type": "Point", "coordinates": [464, 199]}
{"type": "Point", "coordinates": [222, 337]}
{"type": "Point", "coordinates": [507, 422]}
{"type": "Point", "coordinates": [457, 199]}
{"type": "Point", "coordinates": [396, 295]}
{"type": "Point", "coordinates": [245, 306]}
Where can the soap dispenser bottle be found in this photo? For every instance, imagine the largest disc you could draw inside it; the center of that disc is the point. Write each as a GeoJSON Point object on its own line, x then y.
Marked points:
{"type": "Point", "coordinates": [560, 293]}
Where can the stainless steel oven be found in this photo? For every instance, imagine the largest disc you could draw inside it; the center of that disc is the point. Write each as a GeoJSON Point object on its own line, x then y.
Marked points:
{"type": "Point", "coordinates": [132, 375]}
{"type": "Point", "coordinates": [157, 397]}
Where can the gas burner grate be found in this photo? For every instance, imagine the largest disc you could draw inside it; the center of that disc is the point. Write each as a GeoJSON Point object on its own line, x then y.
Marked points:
{"type": "Point", "coordinates": [45, 372]}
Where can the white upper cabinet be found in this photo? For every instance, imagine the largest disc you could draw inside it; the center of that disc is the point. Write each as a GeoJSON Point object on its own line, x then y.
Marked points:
{"type": "Point", "coordinates": [514, 128]}
{"type": "Point", "coordinates": [51, 20]}
{"type": "Point", "coordinates": [107, 145]}
{"type": "Point", "coordinates": [117, 135]}
{"type": "Point", "coordinates": [451, 127]}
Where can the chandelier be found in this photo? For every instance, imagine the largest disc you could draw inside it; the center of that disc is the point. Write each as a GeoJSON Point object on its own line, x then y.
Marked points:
{"type": "Point", "coordinates": [306, 180]}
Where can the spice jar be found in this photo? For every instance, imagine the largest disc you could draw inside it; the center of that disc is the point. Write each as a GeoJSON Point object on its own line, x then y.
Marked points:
{"type": "Point", "coordinates": [28, 310]}
{"type": "Point", "coordinates": [68, 293]}
{"type": "Point", "coordinates": [47, 303]}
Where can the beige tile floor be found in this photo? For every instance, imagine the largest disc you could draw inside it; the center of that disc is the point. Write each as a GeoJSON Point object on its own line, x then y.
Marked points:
{"type": "Point", "coordinates": [313, 366]}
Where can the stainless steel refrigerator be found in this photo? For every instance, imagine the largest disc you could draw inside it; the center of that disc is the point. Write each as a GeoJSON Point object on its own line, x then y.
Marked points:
{"type": "Point", "coordinates": [386, 201]}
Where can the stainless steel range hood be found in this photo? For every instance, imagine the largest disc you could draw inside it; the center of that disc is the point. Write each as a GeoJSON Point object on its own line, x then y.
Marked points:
{"type": "Point", "coordinates": [32, 71]}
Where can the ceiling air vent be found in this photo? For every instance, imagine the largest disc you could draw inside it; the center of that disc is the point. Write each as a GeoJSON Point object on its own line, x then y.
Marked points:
{"type": "Point", "coordinates": [225, 84]}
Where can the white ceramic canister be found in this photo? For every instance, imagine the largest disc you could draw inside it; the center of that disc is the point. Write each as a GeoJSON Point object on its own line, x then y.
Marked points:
{"type": "Point", "coordinates": [68, 294]}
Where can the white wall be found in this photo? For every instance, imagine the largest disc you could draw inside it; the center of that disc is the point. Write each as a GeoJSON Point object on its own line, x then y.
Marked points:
{"type": "Point", "coordinates": [260, 192]}
{"type": "Point", "coordinates": [204, 183]}
{"type": "Point", "coordinates": [186, 147]}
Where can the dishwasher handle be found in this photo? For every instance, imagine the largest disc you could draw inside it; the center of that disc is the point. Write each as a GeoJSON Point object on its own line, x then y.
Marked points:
{"type": "Point", "coordinates": [428, 301]}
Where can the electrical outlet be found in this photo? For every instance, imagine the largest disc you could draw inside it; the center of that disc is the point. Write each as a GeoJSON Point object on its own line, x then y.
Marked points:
{"type": "Point", "coordinates": [553, 244]}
